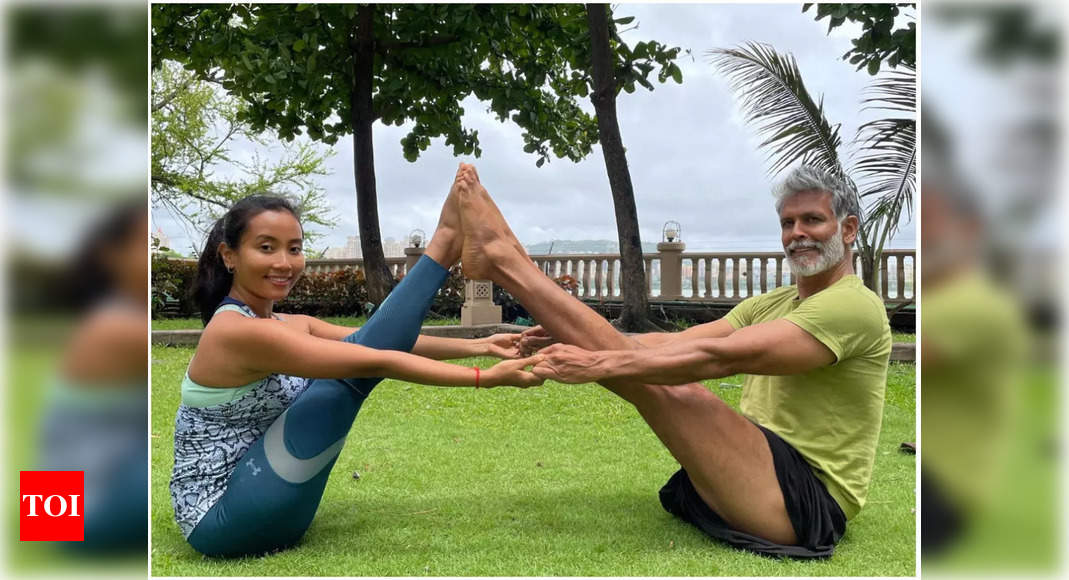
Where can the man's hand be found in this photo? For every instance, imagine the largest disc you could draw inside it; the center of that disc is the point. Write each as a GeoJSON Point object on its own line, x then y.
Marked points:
{"type": "Point", "coordinates": [512, 373]}
{"type": "Point", "coordinates": [504, 345]}
{"type": "Point", "coordinates": [565, 363]}
{"type": "Point", "coordinates": [535, 338]}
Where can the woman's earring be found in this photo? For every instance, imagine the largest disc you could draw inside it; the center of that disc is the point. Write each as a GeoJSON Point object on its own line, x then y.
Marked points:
{"type": "Point", "coordinates": [230, 269]}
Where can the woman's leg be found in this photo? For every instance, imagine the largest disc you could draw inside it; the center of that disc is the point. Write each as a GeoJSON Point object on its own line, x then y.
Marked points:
{"type": "Point", "coordinates": [274, 492]}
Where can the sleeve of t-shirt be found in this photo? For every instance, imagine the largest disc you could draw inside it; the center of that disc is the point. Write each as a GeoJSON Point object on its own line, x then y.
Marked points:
{"type": "Point", "coordinates": [742, 314]}
{"type": "Point", "coordinates": [845, 322]}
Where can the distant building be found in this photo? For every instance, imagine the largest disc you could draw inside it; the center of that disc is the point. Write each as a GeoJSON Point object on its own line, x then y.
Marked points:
{"type": "Point", "coordinates": [161, 239]}
{"type": "Point", "coordinates": [391, 248]}
{"type": "Point", "coordinates": [350, 251]}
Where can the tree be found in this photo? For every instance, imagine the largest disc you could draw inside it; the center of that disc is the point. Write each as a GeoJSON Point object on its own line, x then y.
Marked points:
{"type": "Point", "coordinates": [333, 70]}
{"type": "Point", "coordinates": [194, 127]}
{"type": "Point", "coordinates": [795, 129]}
{"type": "Point", "coordinates": [633, 316]}
{"type": "Point", "coordinates": [880, 41]}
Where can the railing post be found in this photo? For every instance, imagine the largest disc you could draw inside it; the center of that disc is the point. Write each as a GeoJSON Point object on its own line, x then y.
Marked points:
{"type": "Point", "coordinates": [671, 254]}
{"type": "Point", "coordinates": [412, 256]}
{"type": "Point", "coordinates": [479, 307]}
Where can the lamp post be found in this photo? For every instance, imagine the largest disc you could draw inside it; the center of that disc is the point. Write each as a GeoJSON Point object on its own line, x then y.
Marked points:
{"type": "Point", "coordinates": [671, 231]}
{"type": "Point", "coordinates": [415, 248]}
{"type": "Point", "coordinates": [670, 250]}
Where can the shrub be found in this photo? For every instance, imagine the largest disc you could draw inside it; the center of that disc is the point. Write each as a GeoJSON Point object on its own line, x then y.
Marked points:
{"type": "Point", "coordinates": [341, 293]}
{"type": "Point", "coordinates": [172, 282]}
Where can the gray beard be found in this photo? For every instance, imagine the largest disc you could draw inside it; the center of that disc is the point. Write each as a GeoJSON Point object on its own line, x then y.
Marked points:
{"type": "Point", "coordinates": [829, 253]}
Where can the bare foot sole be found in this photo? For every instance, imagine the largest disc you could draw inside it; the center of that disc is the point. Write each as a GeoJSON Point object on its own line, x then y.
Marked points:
{"type": "Point", "coordinates": [487, 246]}
{"type": "Point", "coordinates": [479, 189]}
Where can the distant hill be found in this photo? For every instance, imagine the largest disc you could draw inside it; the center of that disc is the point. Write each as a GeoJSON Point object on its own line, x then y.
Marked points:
{"type": "Point", "coordinates": [583, 247]}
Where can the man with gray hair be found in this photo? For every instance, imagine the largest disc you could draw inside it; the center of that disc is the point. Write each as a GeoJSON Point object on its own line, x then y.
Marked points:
{"type": "Point", "coordinates": [782, 475]}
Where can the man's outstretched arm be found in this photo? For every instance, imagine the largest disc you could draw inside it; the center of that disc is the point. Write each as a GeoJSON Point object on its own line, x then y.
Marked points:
{"type": "Point", "coordinates": [777, 347]}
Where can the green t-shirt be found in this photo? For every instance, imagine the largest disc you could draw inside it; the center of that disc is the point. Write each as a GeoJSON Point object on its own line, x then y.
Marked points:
{"type": "Point", "coordinates": [974, 341]}
{"type": "Point", "coordinates": [831, 415]}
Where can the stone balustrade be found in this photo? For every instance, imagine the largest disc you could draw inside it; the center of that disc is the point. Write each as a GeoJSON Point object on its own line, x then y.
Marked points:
{"type": "Point", "coordinates": [672, 275]}
{"type": "Point", "coordinates": [717, 277]}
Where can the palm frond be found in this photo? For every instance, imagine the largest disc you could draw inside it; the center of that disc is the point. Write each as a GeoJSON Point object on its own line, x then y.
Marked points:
{"type": "Point", "coordinates": [895, 90]}
{"type": "Point", "coordinates": [887, 153]}
{"type": "Point", "coordinates": [776, 102]}
{"type": "Point", "coordinates": [887, 168]}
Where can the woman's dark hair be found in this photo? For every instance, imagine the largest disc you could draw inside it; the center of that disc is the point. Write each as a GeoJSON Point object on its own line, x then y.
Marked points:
{"type": "Point", "coordinates": [213, 281]}
{"type": "Point", "coordinates": [90, 276]}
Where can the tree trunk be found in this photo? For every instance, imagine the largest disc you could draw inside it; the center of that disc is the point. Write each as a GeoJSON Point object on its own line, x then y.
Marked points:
{"type": "Point", "coordinates": [869, 271]}
{"type": "Point", "coordinates": [379, 279]}
{"type": "Point", "coordinates": [632, 274]}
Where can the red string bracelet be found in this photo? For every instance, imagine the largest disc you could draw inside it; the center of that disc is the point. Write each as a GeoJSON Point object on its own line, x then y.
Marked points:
{"type": "Point", "coordinates": [476, 377]}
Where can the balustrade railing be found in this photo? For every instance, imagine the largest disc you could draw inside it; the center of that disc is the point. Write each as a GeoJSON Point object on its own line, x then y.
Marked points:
{"type": "Point", "coordinates": [713, 277]}
{"type": "Point", "coordinates": [720, 277]}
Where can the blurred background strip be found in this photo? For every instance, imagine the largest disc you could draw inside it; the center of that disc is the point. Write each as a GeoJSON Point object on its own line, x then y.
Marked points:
{"type": "Point", "coordinates": [76, 240]}
{"type": "Point", "coordinates": [991, 255]}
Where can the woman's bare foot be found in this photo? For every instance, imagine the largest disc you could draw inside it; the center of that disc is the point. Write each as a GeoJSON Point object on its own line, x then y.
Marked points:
{"type": "Point", "coordinates": [489, 245]}
{"type": "Point", "coordinates": [447, 242]}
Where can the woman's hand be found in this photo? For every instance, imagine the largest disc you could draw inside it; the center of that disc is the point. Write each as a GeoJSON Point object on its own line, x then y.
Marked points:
{"type": "Point", "coordinates": [565, 363]}
{"type": "Point", "coordinates": [503, 345]}
{"type": "Point", "coordinates": [511, 373]}
{"type": "Point", "coordinates": [533, 339]}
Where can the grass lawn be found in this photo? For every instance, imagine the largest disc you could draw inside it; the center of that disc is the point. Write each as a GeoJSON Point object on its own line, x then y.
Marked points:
{"type": "Point", "coordinates": [559, 480]}
{"type": "Point", "coordinates": [195, 324]}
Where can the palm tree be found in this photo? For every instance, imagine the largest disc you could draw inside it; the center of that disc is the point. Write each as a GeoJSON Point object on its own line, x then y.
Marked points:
{"type": "Point", "coordinates": [883, 176]}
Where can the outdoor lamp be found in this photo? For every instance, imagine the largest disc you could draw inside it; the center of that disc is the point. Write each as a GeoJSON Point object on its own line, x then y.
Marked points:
{"type": "Point", "coordinates": [671, 231]}
{"type": "Point", "coordinates": [416, 238]}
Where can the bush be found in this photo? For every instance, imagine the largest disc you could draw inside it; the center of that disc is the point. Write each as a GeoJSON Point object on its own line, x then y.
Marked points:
{"type": "Point", "coordinates": [341, 293]}
{"type": "Point", "coordinates": [172, 282]}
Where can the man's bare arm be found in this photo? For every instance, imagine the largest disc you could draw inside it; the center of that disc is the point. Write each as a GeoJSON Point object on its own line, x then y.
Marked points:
{"type": "Point", "coordinates": [777, 347]}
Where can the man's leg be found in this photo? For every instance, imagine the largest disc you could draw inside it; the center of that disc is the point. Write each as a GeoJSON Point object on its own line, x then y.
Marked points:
{"type": "Point", "coordinates": [726, 456]}
{"type": "Point", "coordinates": [273, 494]}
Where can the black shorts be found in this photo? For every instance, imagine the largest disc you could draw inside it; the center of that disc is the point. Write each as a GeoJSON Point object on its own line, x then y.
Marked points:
{"type": "Point", "coordinates": [818, 520]}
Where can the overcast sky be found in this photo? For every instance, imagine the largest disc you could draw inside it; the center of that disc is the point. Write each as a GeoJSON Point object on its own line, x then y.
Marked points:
{"type": "Point", "coordinates": [692, 158]}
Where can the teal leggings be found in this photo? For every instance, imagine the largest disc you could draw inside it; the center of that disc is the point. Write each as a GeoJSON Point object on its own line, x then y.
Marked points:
{"type": "Point", "coordinates": [274, 492]}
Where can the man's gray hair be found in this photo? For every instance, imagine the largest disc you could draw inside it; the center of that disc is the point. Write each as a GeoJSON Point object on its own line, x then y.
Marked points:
{"type": "Point", "coordinates": [808, 178]}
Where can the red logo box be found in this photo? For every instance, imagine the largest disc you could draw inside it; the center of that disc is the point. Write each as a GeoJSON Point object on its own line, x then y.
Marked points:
{"type": "Point", "coordinates": [51, 506]}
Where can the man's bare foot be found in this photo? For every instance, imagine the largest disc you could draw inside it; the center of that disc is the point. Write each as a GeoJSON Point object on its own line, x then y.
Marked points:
{"type": "Point", "coordinates": [486, 196]}
{"type": "Point", "coordinates": [447, 242]}
{"type": "Point", "coordinates": [489, 244]}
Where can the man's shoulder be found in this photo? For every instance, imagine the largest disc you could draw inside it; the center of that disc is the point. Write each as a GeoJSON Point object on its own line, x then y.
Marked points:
{"type": "Point", "coordinates": [849, 291]}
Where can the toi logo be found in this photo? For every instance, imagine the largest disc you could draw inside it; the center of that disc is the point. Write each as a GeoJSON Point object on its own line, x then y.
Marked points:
{"type": "Point", "coordinates": [51, 506]}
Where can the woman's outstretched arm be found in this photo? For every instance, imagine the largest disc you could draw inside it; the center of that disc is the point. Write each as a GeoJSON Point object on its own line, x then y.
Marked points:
{"type": "Point", "coordinates": [253, 348]}
{"type": "Point", "coordinates": [435, 347]}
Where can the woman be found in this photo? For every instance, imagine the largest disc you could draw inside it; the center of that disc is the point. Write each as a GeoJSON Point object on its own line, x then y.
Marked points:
{"type": "Point", "coordinates": [95, 409]}
{"type": "Point", "coordinates": [263, 416]}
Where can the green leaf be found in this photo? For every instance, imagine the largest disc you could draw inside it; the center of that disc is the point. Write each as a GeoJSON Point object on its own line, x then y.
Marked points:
{"type": "Point", "coordinates": [625, 20]}
{"type": "Point", "coordinates": [677, 75]}
{"type": "Point", "coordinates": [874, 66]}
{"type": "Point", "coordinates": [298, 45]}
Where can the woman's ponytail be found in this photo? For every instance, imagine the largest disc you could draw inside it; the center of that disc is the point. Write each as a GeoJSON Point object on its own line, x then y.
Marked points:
{"type": "Point", "coordinates": [213, 280]}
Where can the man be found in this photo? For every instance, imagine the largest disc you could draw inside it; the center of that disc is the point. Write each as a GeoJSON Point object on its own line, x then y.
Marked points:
{"type": "Point", "coordinates": [975, 347]}
{"type": "Point", "coordinates": [783, 476]}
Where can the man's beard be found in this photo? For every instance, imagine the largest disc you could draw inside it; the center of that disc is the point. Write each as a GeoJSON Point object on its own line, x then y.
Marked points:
{"type": "Point", "coordinates": [829, 254]}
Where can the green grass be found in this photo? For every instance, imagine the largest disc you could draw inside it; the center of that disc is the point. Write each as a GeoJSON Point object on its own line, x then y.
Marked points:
{"type": "Point", "coordinates": [195, 324]}
{"type": "Point", "coordinates": [903, 337]}
{"type": "Point", "coordinates": [32, 368]}
{"type": "Point", "coordinates": [551, 481]}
